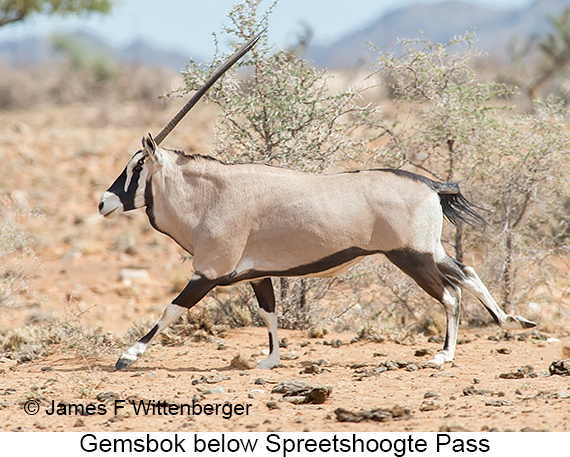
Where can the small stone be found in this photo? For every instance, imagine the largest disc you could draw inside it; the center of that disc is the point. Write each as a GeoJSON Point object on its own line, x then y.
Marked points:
{"type": "Point", "coordinates": [498, 403]}
{"type": "Point", "coordinates": [295, 399]}
{"type": "Point", "coordinates": [317, 332]}
{"type": "Point", "coordinates": [429, 405]}
{"type": "Point", "coordinates": [423, 352]}
{"type": "Point", "coordinates": [311, 369]}
{"type": "Point", "coordinates": [526, 370]}
{"type": "Point", "coordinates": [290, 356]}
{"type": "Point", "coordinates": [431, 394]}
{"type": "Point", "coordinates": [129, 275]}
{"type": "Point", "coordinates": [452, 428]}
{"type": "Point", "coordinates": [378, 415]}
{"type": "Point", "coordinates": [272, 405]}
{"type": "Point", "coordinates": [334, 343]}
{"type": "Point", "coordinates": [215, 390]}
{"type": "Point", "coordinates": [560, 367]}
{"type": "Point", "coordinates": [512, 375]}
{"type": "Point", "coordinates": [105, 397]}
{"type": "Point", "coordinates": [390, 365]}
{"type": "Point", "coordinates": [318, 395]}
{"type": "Point", "coordinates": [292, 388]}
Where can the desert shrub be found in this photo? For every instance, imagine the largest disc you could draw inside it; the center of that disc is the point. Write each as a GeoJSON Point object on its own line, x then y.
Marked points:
{"type": "Point", "coordinates": [73, 76]}
{"type": "Point", "coordinates": [281, 111]}
{"type": "Point", "coordinates": [36, 341]}
{"type": "Point", "coordinates": [454, 126]}
{"type": "Point", "coordinates": [14, 243]}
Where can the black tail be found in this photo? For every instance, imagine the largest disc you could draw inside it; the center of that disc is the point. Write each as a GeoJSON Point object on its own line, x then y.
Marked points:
{"type": "Point", "coordinates": [456, 208]}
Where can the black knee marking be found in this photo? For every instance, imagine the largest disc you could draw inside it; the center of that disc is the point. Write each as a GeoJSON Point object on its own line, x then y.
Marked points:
{"type": "Point", "coordinates": [492, 313]}
{"type": "Point", "coordinates": [270, 343]}
{"type": "Point", "coordinates": [266, 298]}
{"type": "Point", "coordinates": [422, 268]}
{"type": "Point", "coordinates": [149, 336]}
{"type": "Point", "coordinates": [264, 293]}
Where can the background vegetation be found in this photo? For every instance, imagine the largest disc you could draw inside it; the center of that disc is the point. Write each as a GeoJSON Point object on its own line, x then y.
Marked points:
{"type": "Point", "coordinates": [434, 108]}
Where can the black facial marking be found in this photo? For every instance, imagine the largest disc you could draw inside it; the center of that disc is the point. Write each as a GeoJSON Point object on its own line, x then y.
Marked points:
{"type": "Point", "coordinates": [118, 187]}
{"type": "Point", "coordinates": [129, 199]}
{"type": "Point", "coordinates": [149, 202]}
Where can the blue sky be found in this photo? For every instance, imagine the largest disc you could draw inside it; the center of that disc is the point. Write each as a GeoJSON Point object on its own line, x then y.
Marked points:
{"type": "Point", "coordinates": [187, 25]}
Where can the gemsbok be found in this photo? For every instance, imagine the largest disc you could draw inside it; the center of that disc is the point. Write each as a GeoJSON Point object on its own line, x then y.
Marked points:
{"type": "Point", "coordinates": [250, 222]}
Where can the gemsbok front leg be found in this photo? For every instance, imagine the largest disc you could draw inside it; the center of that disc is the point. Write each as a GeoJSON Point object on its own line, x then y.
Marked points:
{"type": "Point", "coordinates": [266, 298]}
{"type": "Point", "coordinates": [194, 291]}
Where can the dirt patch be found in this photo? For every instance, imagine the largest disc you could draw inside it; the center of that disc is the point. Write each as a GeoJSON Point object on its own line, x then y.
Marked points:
{"type": "Point", "coordinates": [469, 395]}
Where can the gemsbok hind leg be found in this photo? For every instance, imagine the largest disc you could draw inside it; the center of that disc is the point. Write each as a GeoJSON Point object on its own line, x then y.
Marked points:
{"type": "Point", "coordinates": [266, 298]}
{"type": "Point", "coordinates": [194, 291]}
{"type": "Point", "coordinates": [466, 277]}
{"type": "Point", "coordinates": [421, 267]}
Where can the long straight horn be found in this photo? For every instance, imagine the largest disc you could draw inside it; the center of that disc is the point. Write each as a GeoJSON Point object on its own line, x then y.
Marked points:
{"type": "Point", "coordinates": [198, 95]}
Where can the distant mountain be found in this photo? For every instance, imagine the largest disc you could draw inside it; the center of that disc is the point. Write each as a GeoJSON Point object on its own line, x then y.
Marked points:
{"type": "Point", "coordinates": [439, 22]}
{"type": "Point", "coordinates": [32, 50]}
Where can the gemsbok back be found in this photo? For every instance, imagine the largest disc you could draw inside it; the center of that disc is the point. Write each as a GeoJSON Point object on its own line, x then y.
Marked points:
{"type": "Point", "coordinates": [250, 222]}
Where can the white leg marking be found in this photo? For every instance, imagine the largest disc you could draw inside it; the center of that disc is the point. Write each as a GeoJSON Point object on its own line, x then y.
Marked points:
{"type": "Point", "coordinates": [273, 359]}
{"type": "Point", "coordinates": [451, 301]}
{"type": "Point", "coordinates": [133, 352]}
{"type": "Point", "coordinates": [169, 315]}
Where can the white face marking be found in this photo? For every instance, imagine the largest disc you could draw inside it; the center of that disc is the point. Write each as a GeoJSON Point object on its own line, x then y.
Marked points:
{"type": "Point", "coordinates": [136, 161]}
{"type": "Point", "coordinates": [110, 205]}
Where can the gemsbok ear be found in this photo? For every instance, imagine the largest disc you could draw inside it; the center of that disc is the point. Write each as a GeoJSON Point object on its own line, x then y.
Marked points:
{"type": "Point", "coordinates": [148, 143]}
{"type": "Point", "coordinates": [151, 148]}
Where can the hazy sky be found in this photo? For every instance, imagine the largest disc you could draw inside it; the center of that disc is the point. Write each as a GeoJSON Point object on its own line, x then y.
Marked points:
{"type": "Point", "coordinates": [187, 25]}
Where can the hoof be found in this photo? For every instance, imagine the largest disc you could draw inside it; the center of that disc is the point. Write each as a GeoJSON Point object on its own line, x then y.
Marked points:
{"type": "Point", "coordinates": [267, 364]}
{"type": "Point", "coordinates": [123, 363]}
{"type": "Point", "coordinates": [525, 323]}
{"type": "Point", "coordinates": [440, 359]}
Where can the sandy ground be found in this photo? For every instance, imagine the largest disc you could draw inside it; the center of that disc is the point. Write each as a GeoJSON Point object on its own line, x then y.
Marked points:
{"type": "Point", "coordinates": [469, 395]}
{"type": "Point", "coordinates": [59, 161]}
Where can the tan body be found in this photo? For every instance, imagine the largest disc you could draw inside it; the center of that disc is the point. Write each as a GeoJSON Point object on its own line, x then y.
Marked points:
{"type": "Point", "coordinates": [240, 218]}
